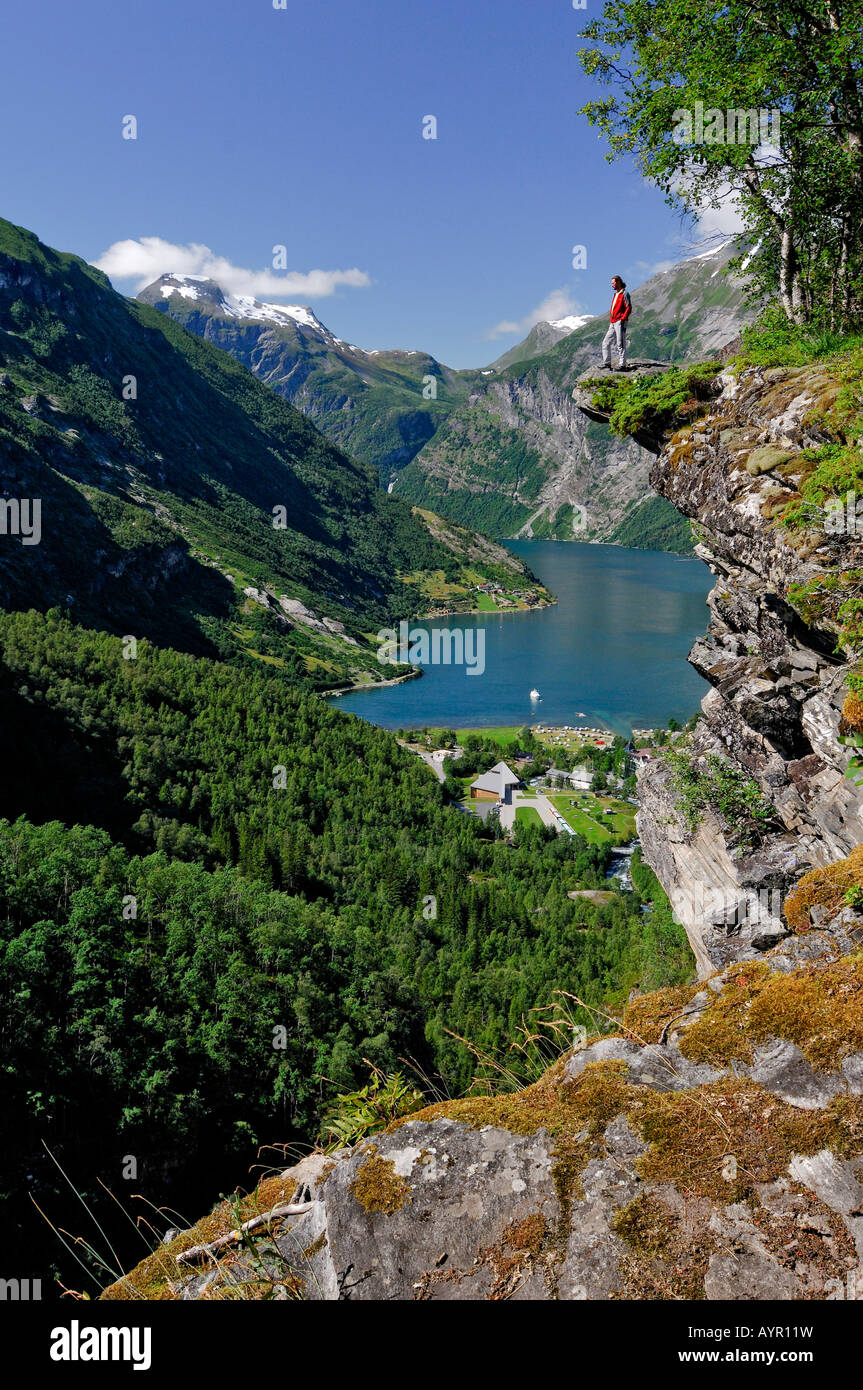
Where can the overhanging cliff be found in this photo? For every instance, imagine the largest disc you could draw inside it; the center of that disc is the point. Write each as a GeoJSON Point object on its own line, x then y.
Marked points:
{"type": "Point", "coordinates": [778, 683]}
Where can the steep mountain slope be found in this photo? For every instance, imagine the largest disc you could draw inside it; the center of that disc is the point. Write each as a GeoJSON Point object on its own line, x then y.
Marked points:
{"type": "Point", "coordinates": [371, 404]}
{"type": "Point", "coordinates": [519, 458]}
{"type": "Point", "coordinates": [179, 499]}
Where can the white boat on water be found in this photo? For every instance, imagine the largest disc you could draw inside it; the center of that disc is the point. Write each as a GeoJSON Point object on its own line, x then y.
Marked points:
{"type": "Point", "coordinates": [535, 695]}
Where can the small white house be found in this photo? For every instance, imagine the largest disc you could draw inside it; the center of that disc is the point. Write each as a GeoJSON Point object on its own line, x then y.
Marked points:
{"type": "Point", "coordinates": [579, 778]}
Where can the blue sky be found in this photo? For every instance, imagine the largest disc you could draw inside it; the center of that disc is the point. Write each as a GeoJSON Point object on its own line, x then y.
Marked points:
{"type": "Point", "coordinates": [303, 127]}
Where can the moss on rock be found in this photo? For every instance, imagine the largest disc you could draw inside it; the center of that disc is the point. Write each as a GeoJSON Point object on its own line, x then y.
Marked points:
{"type": "Point", "coordinates": [819, 1008]}
{"type": "Point", "coordinates": [693, 1134]}
{"type": "Point", "coordinates": [667, 1251]}
{"type": "Point", "coordinates": [828, 888]}
{"type": "Point", "coordinates": [852, 714]}
{"type": "Point", "coordinates": [648, 1014]}
{"type": "Point", "coordinates": [377, 1186]}
{"type": "Point", "coordinates": [555, 1103]}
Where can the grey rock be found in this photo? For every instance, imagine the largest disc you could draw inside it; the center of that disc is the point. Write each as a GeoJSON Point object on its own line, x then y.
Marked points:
{"type": "Point", "coordinates": [835, 1181]}
{"type": "Point", "coordinates": [742, 1267]}
{"type": "Point", "coordinates": [660, 1067]}
{"type": "Point", "coordinates": [779, 1066]}
{"type": "Point", "coordinates": [465, 1188]}
{"type": "Point", "coordinates": [747, 1275]}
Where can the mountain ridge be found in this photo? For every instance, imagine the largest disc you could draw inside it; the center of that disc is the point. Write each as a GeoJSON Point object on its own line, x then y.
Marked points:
{"type": "Point", "coordinates": [379, 405]}
{"type": "Point", "coordinates": [542, 336]}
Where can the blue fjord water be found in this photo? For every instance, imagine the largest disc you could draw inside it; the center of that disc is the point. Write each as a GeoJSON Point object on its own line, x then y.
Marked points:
{"type": "Point", "coordinates": [613, 648]}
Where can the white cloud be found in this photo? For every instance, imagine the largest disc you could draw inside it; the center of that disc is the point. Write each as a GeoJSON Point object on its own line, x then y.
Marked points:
{"type": "Point", "coordinates": [720, 222]}
{"type": "Point", "coordinates": [556, 305]}
{"type": "Point", "coordinates": [716, 224]}
{"type": "Point", "coordinates": [149, 257]}
{"type": "Point", "coordinates": [712, 224]}
{"type": "Point", "coordinates": [705, 230]}
{"type": "Point", "coordinates": [648, 268]}
{"type": "Point", "coordinates": [709, 229]}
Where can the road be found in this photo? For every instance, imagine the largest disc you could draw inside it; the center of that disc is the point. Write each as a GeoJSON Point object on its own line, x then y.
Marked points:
{"type": "Point", "coordinates": [436, 764]}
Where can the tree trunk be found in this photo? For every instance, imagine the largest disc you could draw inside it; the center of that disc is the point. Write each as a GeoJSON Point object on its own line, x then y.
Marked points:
{"type": "Point", "coordinates": [845, 287]}
{"type": "Point", "coordinates": [789, 284]}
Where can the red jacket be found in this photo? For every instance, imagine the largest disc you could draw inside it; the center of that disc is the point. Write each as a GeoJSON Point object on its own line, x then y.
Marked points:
{"type": "Point", "coordinates": [621, 307]}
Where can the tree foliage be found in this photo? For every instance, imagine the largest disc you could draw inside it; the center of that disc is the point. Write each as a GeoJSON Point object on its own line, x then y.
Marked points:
{"type": "Point", "coordinates": [212, 911]}
{"type": "Point", "coordinates": [799, 182]}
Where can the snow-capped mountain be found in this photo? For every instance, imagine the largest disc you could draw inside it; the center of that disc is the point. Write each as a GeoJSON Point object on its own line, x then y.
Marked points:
{"type": "Point", "coordinates": [206, 294]}
{"type": "Point", "coordinates": [377, 405]}
{"type": "Point", "coordinates": [570, 323]}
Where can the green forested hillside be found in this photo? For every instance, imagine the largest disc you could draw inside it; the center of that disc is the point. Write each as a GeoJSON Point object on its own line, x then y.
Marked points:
{"type": "Point", "coordinates": [278, 856]}
{"type": "Point", "coordinates": [159, 510]}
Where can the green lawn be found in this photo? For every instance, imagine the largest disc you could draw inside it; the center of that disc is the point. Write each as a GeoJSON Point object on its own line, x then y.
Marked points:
{"type": "Point", "coordinates": [501, 733]}
{"type": "Point", "coordinates": [623, 819]}
{"type": "Point", "coordinates": [584, 814]}
{"type": "Point", "coordinates": [580, 822]}
{"type": "Point", "coordinates": [526, 815]}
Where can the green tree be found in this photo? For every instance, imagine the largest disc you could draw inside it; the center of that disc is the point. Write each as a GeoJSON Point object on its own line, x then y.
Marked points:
{"type": "Point", "coordinates": [798, 180]}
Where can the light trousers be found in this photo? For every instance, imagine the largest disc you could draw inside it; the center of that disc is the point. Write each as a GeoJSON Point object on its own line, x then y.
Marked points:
{"type": "Point", "coordinates": [616, 335]}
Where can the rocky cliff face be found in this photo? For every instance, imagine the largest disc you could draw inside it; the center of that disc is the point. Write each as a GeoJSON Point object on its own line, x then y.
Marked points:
{"type": "Point", "coordinates": [521, 459]}
{"type": "Point", "coordinates": [778, 685]}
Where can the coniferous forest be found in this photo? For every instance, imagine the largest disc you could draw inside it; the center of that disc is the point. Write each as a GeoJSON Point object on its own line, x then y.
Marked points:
{"type": "Point", "coordinates": [214, 906]}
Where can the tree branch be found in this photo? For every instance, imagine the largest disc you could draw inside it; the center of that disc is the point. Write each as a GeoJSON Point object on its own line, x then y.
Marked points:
{"type": "Point", "coordinates": [196, 1254]}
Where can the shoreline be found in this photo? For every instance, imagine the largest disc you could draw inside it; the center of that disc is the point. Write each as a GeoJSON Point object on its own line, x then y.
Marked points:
{"type": "Point", "coordinates": [411, 675]}
{"type": "Point", "coordinates": [484, 612]}
{"type": "Point", "coordinates": [618, 545]}
{"type": "Point", "coordinates": [431, 618]}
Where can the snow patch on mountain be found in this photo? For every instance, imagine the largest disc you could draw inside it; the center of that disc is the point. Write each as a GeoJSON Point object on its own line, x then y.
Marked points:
{"type": "Point", "coordinates": [571, 322]}
{"type": "Point", "coordinates": [714, 251]}
{"type": "Point", "coordinates": [182, 285]}
{"type": "Point", "coordinates": [240, 306]}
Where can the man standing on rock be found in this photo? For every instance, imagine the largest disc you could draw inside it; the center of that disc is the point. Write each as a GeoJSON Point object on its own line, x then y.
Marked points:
{"type": "Point", "coordinates": [621, 308]}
